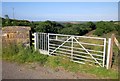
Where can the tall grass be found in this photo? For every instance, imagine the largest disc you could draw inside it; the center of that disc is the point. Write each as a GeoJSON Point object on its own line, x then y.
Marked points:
{"type": "Point", "coordinates": [20, 54]}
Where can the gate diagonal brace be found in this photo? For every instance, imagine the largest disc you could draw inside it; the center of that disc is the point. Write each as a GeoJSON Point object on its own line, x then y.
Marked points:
{"type": "Point", "coordinates": [87, 51]}
{"type": "Point", "coordinates": [61, 45]}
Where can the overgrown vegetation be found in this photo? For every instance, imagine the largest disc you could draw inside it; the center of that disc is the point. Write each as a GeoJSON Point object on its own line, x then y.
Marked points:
{"type": "Point", "coordinates": [106, 27]}
{"type": "Point", "coordinates": [22, 54]}
{"type": "Point", "coordinates": [13, 22]}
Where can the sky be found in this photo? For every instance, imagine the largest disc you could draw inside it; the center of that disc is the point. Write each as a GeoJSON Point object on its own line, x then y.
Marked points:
{"type": "Point", "coordinates": [61, 11]}
{"type": "Point", "coordinates": [60, 0]}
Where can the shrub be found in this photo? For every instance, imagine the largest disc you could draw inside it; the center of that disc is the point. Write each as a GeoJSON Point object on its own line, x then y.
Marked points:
{"type": "Point", "coordinates": [99, 32]}
{"type": "Point", "coordinates": [104, 28]}
{"type": "Point", "coordinates": [69, 31]}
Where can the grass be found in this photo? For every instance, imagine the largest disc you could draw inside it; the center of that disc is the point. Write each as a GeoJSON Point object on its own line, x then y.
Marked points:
{"type": "Point", "coordinates": [22, 54]}
{"type": "Point", "coordinates": [56, 62]}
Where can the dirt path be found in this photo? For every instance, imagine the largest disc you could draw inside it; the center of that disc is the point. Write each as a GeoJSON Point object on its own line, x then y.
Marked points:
{"type": "Point", "coordinates": [12, 70]}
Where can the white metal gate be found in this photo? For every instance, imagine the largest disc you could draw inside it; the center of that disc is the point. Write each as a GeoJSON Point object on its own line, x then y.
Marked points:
{"type": "Point", "coordinates": [80, 49]}
{"type": "Point", "coordinates": [41, 42]}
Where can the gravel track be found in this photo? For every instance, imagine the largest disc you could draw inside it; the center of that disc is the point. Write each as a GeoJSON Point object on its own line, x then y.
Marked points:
{"type": "Point", "coordinates": [12, 70]}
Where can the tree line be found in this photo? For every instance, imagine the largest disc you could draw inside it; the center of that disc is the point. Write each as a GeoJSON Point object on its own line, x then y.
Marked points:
{"type": "Point", "coordinates": [100, 27]}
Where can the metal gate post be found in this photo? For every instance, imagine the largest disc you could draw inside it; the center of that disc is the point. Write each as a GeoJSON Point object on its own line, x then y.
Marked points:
{"type": "Point", "coordinates": [35, 41]}
{"type": "Point", "coordinates": [48, 44]}
{"type": "Point", "coordinates": [104, 52]}
{"type": "Point", "coordinates": [108, 55]}
{"type": "Point", "coordinates": [72, 48]}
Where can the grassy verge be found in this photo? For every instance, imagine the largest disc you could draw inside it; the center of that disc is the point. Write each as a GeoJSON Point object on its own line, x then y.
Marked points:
{"type": "Point", "coordinates": [56, 62]}
{"type": "Point", "coordinates": [23, 55]}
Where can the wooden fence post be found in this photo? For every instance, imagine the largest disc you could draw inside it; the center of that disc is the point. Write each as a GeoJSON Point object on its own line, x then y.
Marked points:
{"type": "Point", "coordinates": [117, 43]}
{"type": "Point", "coordinates": [110, 51]}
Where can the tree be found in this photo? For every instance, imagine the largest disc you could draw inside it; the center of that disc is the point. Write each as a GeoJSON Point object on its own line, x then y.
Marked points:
{"type": "Point", "coordinates": [99, 32]}
{"type": "Point", "coordinates": [117, 28]}
{"type": "Point", "coordinates": [82, 29]}
{"type": "Point", "coordinates": [91, 25]}
{"type": "Point", "coordinates": [48, 27]}
{"type": "Point", "coordinates": [14, 23]}
{"type": "Point", "coordinates": [68, 25]}
{"type": "Point", "coordinates": [69, 31]}
{"type": "Point", "coordinates": [6, 16]}
{"type": "Point", "coordinates": [103, 28]}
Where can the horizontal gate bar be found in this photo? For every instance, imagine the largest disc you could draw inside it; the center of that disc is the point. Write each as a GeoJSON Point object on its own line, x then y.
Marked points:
{"type": "Point", "coordinates": [78, 36]}
{"type": "Point", "coordinates": [83, 59]}
{"type": "Point", "coordinates": [89, 50]}
{"type": "Point", "coordinates": [87, 53]}
{"type": "Point", "coordinates": [62, 49]}
{"type": "Point", "coordinates": [90, 44]}
{"type": "Point", "coordinates": [86, 56]}
{"type": "Point", "coordinates": [59, 45]}
{"type": "Point", "coordinates": [62, 52]}
{"type": "Point", "coordinates": [76, 42]}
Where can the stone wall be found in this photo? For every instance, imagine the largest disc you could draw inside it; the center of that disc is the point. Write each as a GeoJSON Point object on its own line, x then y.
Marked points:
{"type": "Point", "coordinates": [16, 34]}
